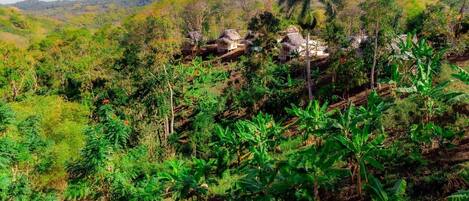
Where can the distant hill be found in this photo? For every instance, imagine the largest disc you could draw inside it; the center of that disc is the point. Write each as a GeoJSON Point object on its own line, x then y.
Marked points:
{"type": "Point", "coordinates": [37, 5]}
{"type": "Point", "coordinates": [89, 13]}
{"type": "Point", "coordinates": [19, 28]}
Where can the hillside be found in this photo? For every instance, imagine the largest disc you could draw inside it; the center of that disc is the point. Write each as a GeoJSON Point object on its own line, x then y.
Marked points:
{"type": "Point", "coordinates": [82, 12]}
{"type": "Point", "coordinates": [38, 5]}
{"type": "Point", "coordinates": [19, 28]}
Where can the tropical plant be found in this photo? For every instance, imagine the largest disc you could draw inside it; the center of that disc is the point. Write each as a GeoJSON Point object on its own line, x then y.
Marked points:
{"type": "Point", "coordinates": [185, 181]}
{"type": "Point", "coordinates": [425, 133]}
{"type": "Point", "coordinates": [6, 116]}
{"type": "Point", "coordinates": [315, 166]}
{"type": "Point", "coordinates": [459, 196]}
{"type": "Point", "coordinates": [363, 148]}
{"type": "Point", "coordinates": [427, 63]}
{"type": "Point", "coordinates": [315, 119]}
{"type": "Point", "coordinates": [93, 156]}
{"type": "Point", "coordinates": [372, 112]}
{"type": "Point", "coordinates": [396, 193]}
{"type": "Point", "coordinates": [115, 130]}
{"type": "Point", "coordinates": [461, 74]}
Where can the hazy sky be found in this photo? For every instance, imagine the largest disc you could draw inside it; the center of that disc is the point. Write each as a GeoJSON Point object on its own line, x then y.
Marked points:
{"type": "Point", "coordinates": [13, 1]}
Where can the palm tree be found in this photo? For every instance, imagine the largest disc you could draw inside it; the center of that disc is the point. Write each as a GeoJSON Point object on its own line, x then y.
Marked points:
{"type": "Point", "coordinates": [307, 22]}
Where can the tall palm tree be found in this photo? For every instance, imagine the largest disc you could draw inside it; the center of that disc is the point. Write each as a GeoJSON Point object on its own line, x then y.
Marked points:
{"type": "Point", "coordinates": [308, 22]}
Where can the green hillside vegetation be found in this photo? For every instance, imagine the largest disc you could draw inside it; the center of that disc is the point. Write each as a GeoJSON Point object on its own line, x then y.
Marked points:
{"type": "Point", "coordinates": [106, 105]}
{"type": "Point", "coordinates": [19, 28]}
{"type": "Point", "coordinates": [89, 13]}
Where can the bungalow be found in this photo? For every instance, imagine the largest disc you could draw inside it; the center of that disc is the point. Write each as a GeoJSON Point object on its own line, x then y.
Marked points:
{"type": "Point", "coordinates": [292, 44]}
{"type": "Point", "coordinates": [229, 40]}
{"type": "Point", "coordinates": [194, 38]}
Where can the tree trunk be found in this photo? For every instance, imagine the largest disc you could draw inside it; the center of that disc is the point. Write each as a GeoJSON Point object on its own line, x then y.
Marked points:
{"type": "Point", "coordinates": [461, 17]}
{"type": "Point", "coordinates": [166, 130]}
{"type": "Point", "coordinates": [316, 190]}
{"type": "Point", "coordinates": [171, 94]}
{"type": "Point", "coordinates": [15, 90]}
{"type": "Point", "coordinates": [171, 102]}
{"type": "Point", "coordinates": [308, 70]}
{"type": "Point", "coordinates": [375, 57]}
{"type": "Point", "coordinates": [359, 181]}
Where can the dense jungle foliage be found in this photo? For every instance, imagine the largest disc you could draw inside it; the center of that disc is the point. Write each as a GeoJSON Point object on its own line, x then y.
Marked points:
{"type": "Point", "coordinates": [98, 102]}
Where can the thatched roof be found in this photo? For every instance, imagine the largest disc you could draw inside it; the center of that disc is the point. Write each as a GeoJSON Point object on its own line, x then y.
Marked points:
{"type": "Point", "coordinates": [195, 36]}
{"type": "Point", "coordinates": [230, 34]}
{"type": "Point", "coordinates": [225, 40]}
{"type": "Point", "coordinates": [292, 29]}
{"type": "Point", "coordinates": [294, 39]}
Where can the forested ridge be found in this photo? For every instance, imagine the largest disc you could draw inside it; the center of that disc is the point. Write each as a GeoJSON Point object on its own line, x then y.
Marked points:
{"type": "Point", "coordinates": [235, 100]}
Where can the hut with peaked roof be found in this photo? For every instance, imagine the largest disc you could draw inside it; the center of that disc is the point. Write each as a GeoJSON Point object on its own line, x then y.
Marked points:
{"type": "Point", "coordinates": [292, 29]}
{"type": "Point", "coordinates": [193, 39]}
{"type": "Point", "coordinates": [228, 40]}
{"type": "Point", "coordinates": [292, 43]}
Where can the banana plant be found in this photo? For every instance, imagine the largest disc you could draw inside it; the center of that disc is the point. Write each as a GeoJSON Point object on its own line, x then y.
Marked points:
{"type": "Point", "coordinates": [313, 120]}
{"type": "Point", "coordinates": [249, 137]}
{"type": "Point", "coordinates": [346, 120]}
{"type": "Point", "coordinates": [185, 180]}
{"type": "Point", "coordinates": [261, 136]}
{"type": "Point", "coordinates": [316, 167]}
{"type": "Point", "coordinates": [362, 147]}
{"type": "Point", "coordinates": [426, 62]}
{"type": "Point", "coordinates": [227, 144]}
{"type": "Point", "coordinates": [425, 133]}
{"type": "Point", "coordinates": [371, 113]}
{"type": "Point", "coordinates": [396, 193]}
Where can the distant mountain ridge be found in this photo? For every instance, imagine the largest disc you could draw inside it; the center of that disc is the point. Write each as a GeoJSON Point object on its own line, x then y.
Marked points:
{"type": "Point", "coordinates": [82, 13]}
{"type": "Point", "coordinates": [37, 5]}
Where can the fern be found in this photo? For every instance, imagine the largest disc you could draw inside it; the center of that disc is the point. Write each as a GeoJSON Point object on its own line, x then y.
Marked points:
{"type": "Point", "coordinates": [462, 195]}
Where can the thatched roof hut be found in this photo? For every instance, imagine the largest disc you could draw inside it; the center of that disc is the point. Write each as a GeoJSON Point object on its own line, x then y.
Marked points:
{"type": "Point", "coordinates": [230, 34]}
{"type": "Point", "coordinates": [195, 37]}
{"type": "Point", "coordinates": [294, 39]}
{"type": "Point", "coordinates": [228, 40]}
{"type": "Point", "coordinates": [291, 43]}
{"type": "Point", "coordinates": [294, 43]}
{"type": "Point", "coordinates": [292, 29]}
